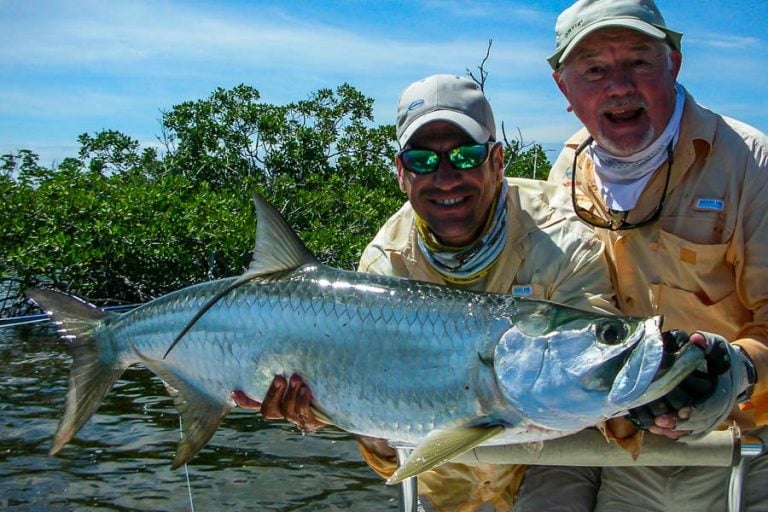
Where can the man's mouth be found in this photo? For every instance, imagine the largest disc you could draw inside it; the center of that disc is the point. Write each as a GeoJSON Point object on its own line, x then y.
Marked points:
{"type": "Point", "coordinates": [450, 202]}
{"type": "Point", "coordinates": [622, 116]}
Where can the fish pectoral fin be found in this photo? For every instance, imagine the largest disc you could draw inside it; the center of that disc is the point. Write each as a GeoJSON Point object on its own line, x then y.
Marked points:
{"type": "Point", "coordinates": [201, 414]}
{"type": "Point", "coordinates": [440, 446]}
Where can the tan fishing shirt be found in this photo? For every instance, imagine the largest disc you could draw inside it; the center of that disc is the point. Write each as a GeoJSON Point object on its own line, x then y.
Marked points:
{"type": "Point", "coordinates": [548, 255]}
{"type": "Point", "coordinates": [703, 264]}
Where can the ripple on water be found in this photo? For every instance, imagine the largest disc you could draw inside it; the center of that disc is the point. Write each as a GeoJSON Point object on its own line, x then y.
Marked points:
{"type": "Point", "coordinates": [121, 459]}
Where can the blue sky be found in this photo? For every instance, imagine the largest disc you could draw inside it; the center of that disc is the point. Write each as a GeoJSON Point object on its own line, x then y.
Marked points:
{"type": "Point", "coordinates": [70, 67]}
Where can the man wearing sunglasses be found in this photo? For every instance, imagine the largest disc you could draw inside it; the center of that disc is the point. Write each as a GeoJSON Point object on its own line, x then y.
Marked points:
{"type": "Point", "coordinates": [465, 225]}
{"type": "Point", "coordinates": [679, 196]}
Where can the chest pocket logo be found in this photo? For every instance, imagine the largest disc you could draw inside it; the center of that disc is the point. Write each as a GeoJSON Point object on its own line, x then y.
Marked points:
{"type": "Point", "coordinates": [709, 204]}
{"type": "Point", "coordinates": [522, 290]}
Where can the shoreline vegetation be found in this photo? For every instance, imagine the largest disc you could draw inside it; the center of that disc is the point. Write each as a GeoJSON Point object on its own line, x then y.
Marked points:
{"type": "Point", "coordinates": [123, 224]}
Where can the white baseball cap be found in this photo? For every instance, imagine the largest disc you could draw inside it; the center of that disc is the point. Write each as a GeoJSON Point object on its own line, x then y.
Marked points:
{"type": "Point", "coordinates": [458, 100]}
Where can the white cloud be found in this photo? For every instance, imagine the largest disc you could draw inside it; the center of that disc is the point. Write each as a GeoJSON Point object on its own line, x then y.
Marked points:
{"type": "Point", "coordinates": [76, 67]}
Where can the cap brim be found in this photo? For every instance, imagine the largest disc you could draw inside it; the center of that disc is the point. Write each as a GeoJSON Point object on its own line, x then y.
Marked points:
{"type": "Point", "coordinates": [472, 128]}
{"type": "Point", "coordinates": [630, 23]}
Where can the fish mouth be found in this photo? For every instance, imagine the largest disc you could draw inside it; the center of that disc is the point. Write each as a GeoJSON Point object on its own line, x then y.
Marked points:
{"type": "Point", "coordinates": [650, 372]}
{"type": "Point", "coordinates": [687, 359]}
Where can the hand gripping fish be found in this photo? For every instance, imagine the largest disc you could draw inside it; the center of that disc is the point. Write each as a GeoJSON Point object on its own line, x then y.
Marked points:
{"type": "Point", "coordinates": [421, 365]}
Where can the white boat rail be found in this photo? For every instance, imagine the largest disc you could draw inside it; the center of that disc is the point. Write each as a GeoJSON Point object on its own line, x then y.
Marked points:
{"type": "Point", "coordinates": [726, 448]}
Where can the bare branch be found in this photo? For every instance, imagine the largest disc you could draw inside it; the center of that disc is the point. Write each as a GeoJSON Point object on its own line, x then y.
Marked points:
{"type": "Point", "coordinates": [481, 67]}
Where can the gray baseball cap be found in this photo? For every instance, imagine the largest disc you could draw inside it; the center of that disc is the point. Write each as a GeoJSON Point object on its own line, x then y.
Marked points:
{"type": "Point", "coordinates": [586, 16]}
{"type": "Point", "coordinates": [451, 98]}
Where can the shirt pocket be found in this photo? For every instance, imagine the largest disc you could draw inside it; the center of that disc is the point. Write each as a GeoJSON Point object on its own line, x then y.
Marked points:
{"type": "Point", "coordinates": [697, 289]}
{"type": "Point", "coordinates": [702, 269]}
{"type": "Point", "coordinates": [685, 310]}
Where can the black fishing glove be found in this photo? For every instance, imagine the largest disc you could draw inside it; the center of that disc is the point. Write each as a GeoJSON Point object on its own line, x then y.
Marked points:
{"type": "Point", "coordinates": [712, 390]}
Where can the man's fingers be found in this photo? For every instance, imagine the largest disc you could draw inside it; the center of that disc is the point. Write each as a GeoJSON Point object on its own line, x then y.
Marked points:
{"type": "Point", "coordinates": [666, 424]}
{"type": "Point", "coordinates": [297, 406]}
{"type": "Point", "coordinates": [665, 421]}
{"type": "Point", "coordinates": [289, 405]}
{"type": "Point", "coordinates": [271, 406]}
{"type": "Point", "coordinates": [308, 420]}
{"type": "Point", "coordinates": [288, 399]}
{"type": "Point", "coordinates": [667, 432]}
{"type": "Point", "coordinates": [244, 401]}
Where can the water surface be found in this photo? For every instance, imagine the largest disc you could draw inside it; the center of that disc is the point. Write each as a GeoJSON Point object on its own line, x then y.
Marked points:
{"type": "Point", "coordinates": [121, 459]}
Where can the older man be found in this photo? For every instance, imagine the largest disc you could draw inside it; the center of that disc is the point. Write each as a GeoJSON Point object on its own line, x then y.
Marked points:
{"type": "Point", "coordinates": [678, 195]}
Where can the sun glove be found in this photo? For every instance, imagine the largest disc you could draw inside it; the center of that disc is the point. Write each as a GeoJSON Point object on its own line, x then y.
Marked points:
{"type": "Point", "coordinates": [712, 390]}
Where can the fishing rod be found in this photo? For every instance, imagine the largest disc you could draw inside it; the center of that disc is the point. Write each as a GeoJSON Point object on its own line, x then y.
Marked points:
{"type": "Point", "coordinates": [15, 321]}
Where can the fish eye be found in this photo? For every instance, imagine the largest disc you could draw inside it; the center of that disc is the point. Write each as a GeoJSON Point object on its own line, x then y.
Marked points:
{"type": "Point", "coordinates": [611, 331]}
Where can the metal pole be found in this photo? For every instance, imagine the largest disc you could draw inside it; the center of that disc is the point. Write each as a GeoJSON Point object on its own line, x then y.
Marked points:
{"type": "Point", "coordinates": [750, 448]}
{"type": "Point", "coordinates": [408, 487]}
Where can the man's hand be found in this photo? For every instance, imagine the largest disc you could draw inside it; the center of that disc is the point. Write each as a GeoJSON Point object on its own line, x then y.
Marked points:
{"type": "Point", "coordinates": [290, 400]}
{"type": "Point", "coordinates": [705, 399]}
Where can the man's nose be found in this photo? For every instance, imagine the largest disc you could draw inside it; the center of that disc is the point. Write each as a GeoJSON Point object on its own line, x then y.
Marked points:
{"type": "Point", "coordinates": [621, 80]}
{"type": "Point", "coordinates": [446, 173]}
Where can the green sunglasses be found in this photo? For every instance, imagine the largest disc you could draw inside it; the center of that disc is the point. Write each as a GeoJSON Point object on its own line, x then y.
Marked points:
{"type": "Point", "coordinates": [425, 161]}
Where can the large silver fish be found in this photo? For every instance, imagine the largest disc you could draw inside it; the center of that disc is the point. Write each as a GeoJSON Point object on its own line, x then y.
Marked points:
{"type": "Point", "coordinates": [421, 365]}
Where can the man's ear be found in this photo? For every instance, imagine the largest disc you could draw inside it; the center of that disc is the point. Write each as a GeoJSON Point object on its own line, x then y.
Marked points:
{"type": "Point", "coordinates": [497, 158]}
{"type": "Point", "coordinates": [400, 173]}
{"type": "Point", "coordinates": [558, 77]}
{"type": "Point", "coordinates": [676, 59]}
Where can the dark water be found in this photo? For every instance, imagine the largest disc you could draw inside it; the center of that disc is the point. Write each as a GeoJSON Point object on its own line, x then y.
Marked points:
{"type": "Point", "coordinates": [121, 459]}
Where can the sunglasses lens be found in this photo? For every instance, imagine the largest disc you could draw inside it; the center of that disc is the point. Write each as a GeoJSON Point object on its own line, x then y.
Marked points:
{"type": "Point", "coordinates": [468, 157]}
{"type": "Point", "coordinates": [420, 161]}
{"type": "Point", "coordinates": [424, 161]}
{"type": "Point", "coordinates": [591, 218]}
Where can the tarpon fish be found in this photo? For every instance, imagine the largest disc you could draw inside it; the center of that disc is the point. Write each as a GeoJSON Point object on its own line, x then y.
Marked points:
{"type": "Point", "coordinates": [420, 365]}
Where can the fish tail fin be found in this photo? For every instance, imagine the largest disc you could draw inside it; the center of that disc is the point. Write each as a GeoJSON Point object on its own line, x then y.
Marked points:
{"type": "Point", "coordinates": [92, 375]}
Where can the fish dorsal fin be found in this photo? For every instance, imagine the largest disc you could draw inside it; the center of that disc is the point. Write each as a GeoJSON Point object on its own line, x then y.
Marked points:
{"type": "Point", "coordinates": [208, 305]}
{"type": "Point", "coordinates": [440, 446]}
{"type": "Point", "coordinates": [277, 249]}
{"type": "Point", "coordinates": [277, 246]}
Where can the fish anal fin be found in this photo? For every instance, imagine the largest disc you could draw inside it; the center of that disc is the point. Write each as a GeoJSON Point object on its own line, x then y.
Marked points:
{"type": "Point", "coordinates": [201, 413]}
{"type": "Point", "coordinates": [201, 416]}
{"type": "Point", "coordinates": [441, 446]}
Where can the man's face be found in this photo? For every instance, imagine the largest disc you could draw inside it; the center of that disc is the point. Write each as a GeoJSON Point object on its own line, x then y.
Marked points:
{"type": "Point", "coordinates": [620, 84]}
{"type": "Point", "coordinates": [453, 203]}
